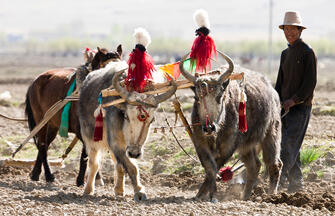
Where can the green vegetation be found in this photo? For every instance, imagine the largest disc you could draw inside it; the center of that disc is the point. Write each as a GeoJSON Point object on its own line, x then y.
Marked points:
{"type": "Point", "coordinates": [309, 155]}
{"type": "Point", "coordinates": [167, 45]}
{"type": "Point", "coordinates": [324, 110]}
{"type": "Point", "coordinates": [29, 151]}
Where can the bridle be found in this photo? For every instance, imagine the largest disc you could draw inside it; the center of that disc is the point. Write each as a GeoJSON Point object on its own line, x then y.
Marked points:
{"type": "Point", "coordinates": [142, 116]}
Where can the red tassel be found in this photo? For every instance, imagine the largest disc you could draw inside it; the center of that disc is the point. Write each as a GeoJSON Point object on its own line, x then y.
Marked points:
{"type": "Point", "coordinates": [202, 49]}
{"type": "Point", "coordinates": [226, 174]}
{"type": "Point", "coordinates": [242, 117]}
{"type": "Point", "coordinates": [140, 67]}
{"type": "Point", "coordinates": [98, 129]}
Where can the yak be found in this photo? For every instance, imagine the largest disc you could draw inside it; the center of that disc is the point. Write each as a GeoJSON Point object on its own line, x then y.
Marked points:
{"type": "Point", "coordinates": [50, 87]}
{"type": "Point", "coordinates": [125, 126]}
{"type": "Point", "coordinates": [216, 134]}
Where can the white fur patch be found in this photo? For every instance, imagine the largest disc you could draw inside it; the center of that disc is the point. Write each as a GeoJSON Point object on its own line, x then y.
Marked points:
{"type": "Point", "coordinates": [200, 17]}
{"type": "Point", "coordinates": [142, 37]}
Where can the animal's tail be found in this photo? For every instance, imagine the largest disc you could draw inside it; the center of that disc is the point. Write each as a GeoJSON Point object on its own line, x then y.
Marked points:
{"type": "Point", "coordinates": [29, 113]}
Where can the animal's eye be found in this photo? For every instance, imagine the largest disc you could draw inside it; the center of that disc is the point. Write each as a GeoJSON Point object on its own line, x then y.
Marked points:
{"type": "Point", "coordinates": [142, 116]}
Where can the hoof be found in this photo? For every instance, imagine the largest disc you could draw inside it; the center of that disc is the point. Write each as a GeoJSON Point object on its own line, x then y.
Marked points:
{"type": "Point", "coordinates": [139, 196]}
{"type": "Point", "coordinates": [201, 197]}
{"type": "Point", "coordinates": [80, 182]}
{"type": "Point", "coordinates": [50, 178]}
{"type": "Point", "coordinates": [214, 200]}
{"type": "Point", "coordinates": [88, 191]}
{"type": "Point", "coordinates": [246, 197]}
{"type": "Point", "coordinates": [99, 182]}
{"type": "Point", "coordinates": [118, 193]}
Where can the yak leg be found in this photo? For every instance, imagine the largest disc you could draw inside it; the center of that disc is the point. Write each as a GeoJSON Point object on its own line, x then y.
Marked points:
{"type": "Point", "coordinates": [119, 180]}
{"type": "Point", "coordinates": [93, 166]}
{"type": "Point", "coordinates": [271, 157]}
{"type": "Point", "coordinates": [118, 146]}
{"type": "Point", "coordinates": [82, 170]}
{"type": "Point", "coordinates": [118, 177]}
{"type": "Point", "coordinates": [133, 173]}
{"type": "Point", "coordinates": [252, 164]}
{"type": "Point", "coordinates": [209, 164]}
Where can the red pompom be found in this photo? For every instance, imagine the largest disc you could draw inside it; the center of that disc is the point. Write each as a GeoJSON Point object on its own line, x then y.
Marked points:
{"type": "Point", "coordinates": [242, 117]}
{"type": "Point", "coordinates": [98, 129]}
{"type": "Point", "coordinates": [87, 49]}
{"type": "Point", "coordinates": [202, 50]}
{"type": "Point", "coordinates": [226, 173]}
{"type": "Point", "coordinates": [140, 66]}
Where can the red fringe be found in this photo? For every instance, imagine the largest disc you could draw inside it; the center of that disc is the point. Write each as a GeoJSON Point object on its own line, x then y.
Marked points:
{"type": "Point", "coordinates": [98, 129]}
{"type": "Point", "coordinates": [202, 49]}
{"type": "Point", "coordinates": [226, 174]}
{"type": "Point", "coordinates": [242, 118]}
{"type": "Point", "coordinates": [144, 65]}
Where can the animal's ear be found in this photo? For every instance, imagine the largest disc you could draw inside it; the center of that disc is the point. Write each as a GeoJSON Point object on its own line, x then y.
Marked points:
{"type": "Point", "coordinates": [102, 50]}
{"type": "Point", "coordinates": [119, 50]}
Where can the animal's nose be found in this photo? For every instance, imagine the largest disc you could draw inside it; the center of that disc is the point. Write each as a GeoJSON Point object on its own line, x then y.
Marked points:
{"type": "Point", "coordinates": [209, 128]}
{"type": "Point", "coordinates": [134, 155]}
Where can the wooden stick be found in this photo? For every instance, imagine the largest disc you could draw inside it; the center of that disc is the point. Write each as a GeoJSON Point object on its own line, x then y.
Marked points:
{"type": "Point", "coordinates": [27, 163]}
{"type": "Point", "coordinates": [160, 88]}
{"type": "Point", "coordinates": [177, 107]}
{"type": "Point", "coordinates": [163, 87]}
{"type": "Point", "coordinates": [69, 149]}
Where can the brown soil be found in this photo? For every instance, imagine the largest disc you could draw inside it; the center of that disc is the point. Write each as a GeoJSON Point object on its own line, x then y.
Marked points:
{"type": "Point", "coordinates": [168, 194]}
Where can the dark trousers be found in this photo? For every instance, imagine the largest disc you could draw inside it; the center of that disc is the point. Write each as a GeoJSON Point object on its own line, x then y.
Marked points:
{"type": "Point", "coordinates": [294, 126]}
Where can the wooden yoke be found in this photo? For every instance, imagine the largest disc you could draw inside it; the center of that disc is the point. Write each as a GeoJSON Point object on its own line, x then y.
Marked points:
{"type": "Point", "coordinates": [157, 88]}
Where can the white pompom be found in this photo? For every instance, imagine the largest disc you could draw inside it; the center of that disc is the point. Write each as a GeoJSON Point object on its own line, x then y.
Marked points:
{"type": "Point", "coordinates": [142, 37]}
{"type": "Point", "coordinates": [200, 17]}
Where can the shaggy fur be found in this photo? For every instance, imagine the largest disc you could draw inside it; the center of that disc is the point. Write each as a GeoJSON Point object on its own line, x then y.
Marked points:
{"type": "Point", "coordinates": [218, 138]}
{"type": "Point", "coordinates": [123, 133]}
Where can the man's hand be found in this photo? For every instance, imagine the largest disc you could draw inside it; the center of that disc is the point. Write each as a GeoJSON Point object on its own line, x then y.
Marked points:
{"type": "Point", "coordinates": [288, 104]}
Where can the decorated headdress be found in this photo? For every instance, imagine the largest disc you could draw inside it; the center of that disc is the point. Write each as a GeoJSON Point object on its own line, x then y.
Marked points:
{"type": "Point", "coordinates": [203, 45]}
{"type": "Point", "coordinates": [140, 62]}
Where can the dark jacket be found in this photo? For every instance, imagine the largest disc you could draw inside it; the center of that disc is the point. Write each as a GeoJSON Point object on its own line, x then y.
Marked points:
{"type": "Point", "coordinates": [297, 74]}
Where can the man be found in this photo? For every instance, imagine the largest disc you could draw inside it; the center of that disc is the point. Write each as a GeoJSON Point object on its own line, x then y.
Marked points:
{"type": "Point", "coordinates": [295, 85]}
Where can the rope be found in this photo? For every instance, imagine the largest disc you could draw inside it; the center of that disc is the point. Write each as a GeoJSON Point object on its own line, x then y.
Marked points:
{"type": "Point", "coordinates": [175, 137]}
{"type": "Point", "coordinates": [14, 119]}
{"type": "Point", "coordinates": [47, 116]}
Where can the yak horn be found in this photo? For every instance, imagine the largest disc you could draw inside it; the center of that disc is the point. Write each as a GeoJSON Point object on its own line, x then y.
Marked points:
{"type": "Point", "coordinates": [186, 74]}
{"type": "Point", "coordinates": [229, 71]}
{"type": "Point", "coordinates": [162, 97]}
{"type": "Point", "coordinates": [122, 92]}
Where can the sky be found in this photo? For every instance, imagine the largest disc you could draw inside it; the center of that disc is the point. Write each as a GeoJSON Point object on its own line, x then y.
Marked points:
{"type": "Point", "coordinates": [230, 20]}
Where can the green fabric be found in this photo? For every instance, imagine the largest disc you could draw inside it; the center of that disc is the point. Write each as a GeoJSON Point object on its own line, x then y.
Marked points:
{"type": "Point", "coordinates": [188, 66]}
{"type": "Point", "coordinates": [64, 124]}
